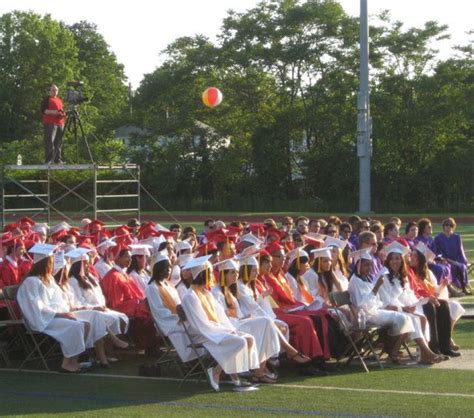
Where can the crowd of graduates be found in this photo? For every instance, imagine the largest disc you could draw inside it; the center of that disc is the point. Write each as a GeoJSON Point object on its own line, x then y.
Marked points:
{"type": "Point", "coordinates": [251, 292]}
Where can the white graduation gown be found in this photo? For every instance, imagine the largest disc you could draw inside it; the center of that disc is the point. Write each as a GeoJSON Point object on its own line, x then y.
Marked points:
{"type": "Point", "coordinates": [97, 321]}
{"type": "Point", "coordinates": [343, 281]}
{"type": "Point", "coordinates": [393, 294]}
{"type": "Point", "coordinates": [39, 304]}
{"type": "Point", "coordinates": [455, 308]}
{"type": "Point", "coordinates": [102, 268]}
{"type": "Point", "coordinates": [261, 328]}
{"type": "Point", "coordinates": [141, 280]}
{"type": "Point", "coordinates": [251, 307]}
{"type": "Point", "coordinates": [362, 297]}
{"type": "Point", "coordinates": [167, 322]}
{"type": "Point", "coordinates": [92, 298]}
{"type": "Point", "coordinates": [223, 341]}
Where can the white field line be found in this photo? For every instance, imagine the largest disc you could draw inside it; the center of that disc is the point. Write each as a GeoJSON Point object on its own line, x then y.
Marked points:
{"type": "Point", "coordinates": [278, 385]}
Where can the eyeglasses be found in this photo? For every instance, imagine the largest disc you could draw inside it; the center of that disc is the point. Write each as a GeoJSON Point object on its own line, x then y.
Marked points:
{"type": "Point", "coordinates": [332, 231]}
{"type": "Point", "coordinates": [450, 225]}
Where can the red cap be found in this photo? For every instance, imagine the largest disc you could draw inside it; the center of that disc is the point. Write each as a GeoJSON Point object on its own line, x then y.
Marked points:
{"type": "Point", "coordinates": [56, 236]}
{"type": "Point", "coordinates": [118, 249]}
{"type": "Point", "coordinates": [25, 221]}
{"type": "Point", "coordinates": [75, 231]}
{"type": "Point", "coordinates": [205, 249]}
{"type": "Point", "coordinates": [10, 227]}
{"type": "Point", "coordinates": [11, 240]}
{"type": "Point", "coordinates": [274, 247]}
{"type": "Point", "coordinates": [94, 226]}
{"type": "Point", "coordinates": [235, 229]}
{"type": "Point", "coordinates": [85, 242]}
{"type": "Point", "coordinates": [276, 233]}
{"type": "Point", "coordinates": [263, 252]}
{"type": "Point", "coordinates": [257, 229]}
{"type": "Point", "coordinates": [147, 231]}
{"type": "Point", "coordinates": [29, 243]}
{"type": "Point", "coordinates": [316, 243]}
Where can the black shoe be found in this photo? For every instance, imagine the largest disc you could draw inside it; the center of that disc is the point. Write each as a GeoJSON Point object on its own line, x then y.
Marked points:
{"type": "Point", "coordinates": [313, 371]}
{"type": "Point", "coordinates": [451, 353]}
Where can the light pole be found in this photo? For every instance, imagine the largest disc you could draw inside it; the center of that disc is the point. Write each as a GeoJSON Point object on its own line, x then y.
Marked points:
{"type": "Point", "coordinates": [364, 121]}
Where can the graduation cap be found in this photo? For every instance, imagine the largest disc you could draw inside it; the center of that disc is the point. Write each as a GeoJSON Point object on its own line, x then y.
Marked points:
{"type": "Point", "coordinates": [183, 246]}
{"type": "Point", "coordinates": [42, 251]}
{"type": "Point", "coordinates": [424, 249]}
{"type": "Point", "coordinates": [75, 231]}
{"type": "Point", "coordinates": [106, 244]}
{"type": "Point", "coordinates": [321, 252]}
{"type": "Point", "coordinates": [26, 221]}
{"type": "Point", "coordinates": [335, 243]}
{"type": "Point", "coordinates": [95, 226]}
{"type": "Point", "coordinates": [396, 247]}
{"type": "Point", "coordinates": [9, 240]}
{"type": "Point", "coordinates": [276, 234]}
{"type": "Point", "coordinates": [248, 261]}
{"type": "Point", "coordinates": [296, 254]}
{"type": "Point", "coordinates": [251, 239]}
{"type": "Point", "coordinates": [61, 226]}
{"type": "Point", "coordinates": [196, 265]}
{"type": "Point", "coordinates": [141, 249]}
{"type": "Point", "coordinates": [159, 256]}
{"type": "Point", "coordinates": [257, 229]}
{"type": "Point", "coordinates": [363, 254]}
{"type": "Point", "coordinates": [118, 249]}
{"type": "Point", "coordinates": [40, 228]}
{"type": "Point", "coordinates": [78, 254]}
{"type": "Point", "coordinates": [10, 227]}
{"type": "Point", "coordinates": [183, 259]}
{"type": "Point", "coordinates": [229, 264]}
{"type": "Point", "coordinates": [147, 230]}
{"type": "Point", "coordinates": [207, 248]}
{"type": "Point", "coordinates": [275, 247]}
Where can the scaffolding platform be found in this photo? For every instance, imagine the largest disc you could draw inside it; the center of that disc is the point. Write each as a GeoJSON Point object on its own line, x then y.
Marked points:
{"type": "Point", "coordinates": [70, 192]}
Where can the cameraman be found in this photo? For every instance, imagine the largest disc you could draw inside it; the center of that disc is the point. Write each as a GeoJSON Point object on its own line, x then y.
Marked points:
{"type": "Point", "coordinates": [52, 110]}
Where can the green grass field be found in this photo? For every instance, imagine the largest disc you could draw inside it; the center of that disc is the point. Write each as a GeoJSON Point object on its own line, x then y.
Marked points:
{"type": "Point", "coordinates": [392, 392]}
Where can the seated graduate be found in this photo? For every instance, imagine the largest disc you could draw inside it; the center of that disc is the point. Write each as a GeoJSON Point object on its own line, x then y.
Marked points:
{"type": "Point", "coordinates": [397, 295]}
{"type": "Point", "coordinates": [261, 328]}
{"type": "Point", "coordinates": [13, 248]}
{"type": "Point", "coordinates": [436, 307]}
{"type": "Point", "coordinates": [449, 245]}
{"type": "Point", "coordinates": [87, 294]}
{"type": "Point", "coordinates": [303, 335]}
{"type": "Point", "coordinates": [234, 351]}
{"type": "Point", "coordinates": [104, 264]}
{"type": "Point", "coordinates": [248, 294]}
{"type": "Point", "coordinates": [123, 295]}
{"type": "Point", "coordinates": [45, 310]}
{"type": "Point", "coordinates": [365, 298]}
{"type": "Point", "coordinates": [162, 300]}
{"type": "Point", "coordinates": [138, 266]}
{"type": "Point", "coordinates": [338, 265]}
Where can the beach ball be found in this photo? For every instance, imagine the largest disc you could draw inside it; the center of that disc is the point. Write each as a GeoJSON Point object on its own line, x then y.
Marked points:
{"type": "Point", "coordinates": [212, 97]}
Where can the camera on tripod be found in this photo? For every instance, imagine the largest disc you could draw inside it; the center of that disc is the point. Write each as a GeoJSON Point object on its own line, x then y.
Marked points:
{"type": "Point", "coordinates": [74, 96]}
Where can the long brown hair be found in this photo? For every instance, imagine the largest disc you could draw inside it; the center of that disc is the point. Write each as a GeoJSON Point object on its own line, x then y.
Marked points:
{"type": "Point", "coordinates": [403, 275]}
{"type": "Point", "coordinates": [421, 268]}
{"type": "Point", "coordinates": [43, 269]}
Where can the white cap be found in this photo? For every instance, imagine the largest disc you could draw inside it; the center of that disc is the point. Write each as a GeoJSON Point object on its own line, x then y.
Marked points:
{"type": "Point", "coordinates": [183, 246]}
{"type": "Point", "coordinates": [396, 247]}
{"type": "Point", "coordinates": [60, 227]}
{"type": "Point", "coordinates": [249, 261]}
{"type": "Point", "coordinates": [196, 265]}
{"type": "Point", "coordinates": [42, 251]}
{"type": "Point", "coordinates": [363, 254]}
{"type": "Point", "coordinates": [424, 249]}
{"type": "Point", "coordinates": [104, 245]}
{"type": "Point", "coordinates": [159, 227]}
{"type": "Point", "coordinates": [78, 254]}
{"type": "Point", "coordinates": [320, 237]}
{"type": "Point", "coordinates": [40, 228]}
{"type": "Point", "coordinates": [321, 252]}
{"type": "Point", "coordinates": [335, 242]}
{"type": "Point", "coordinates": [250, 238]}
{"type": "Point", "coordinates": [229, 264]}
{"type": "Point", "coordinates": [160, 256]}
{"type": "Point", "coordinates": [140, 249]}
{"type": "Point", "coordinates": [183, 259]}
{"type": "Point", "coordinates": [297, 252]}
{"type": "Point", "coordinates": [59, 261]}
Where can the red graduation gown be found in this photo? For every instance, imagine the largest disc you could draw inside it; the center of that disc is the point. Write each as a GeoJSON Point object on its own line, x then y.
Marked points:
{"type": "Point", "coordinates": [123, 295]}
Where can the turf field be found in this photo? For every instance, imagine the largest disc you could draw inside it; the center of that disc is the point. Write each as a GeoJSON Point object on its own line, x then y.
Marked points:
{"type": "Point", "coordinates": [393, 392]}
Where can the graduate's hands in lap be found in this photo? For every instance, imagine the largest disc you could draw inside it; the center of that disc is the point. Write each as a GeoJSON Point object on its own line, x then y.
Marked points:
{"type": "Point", "coordinates": [409, 309]}
{"type": "Point", "coordinates": [391, 308]}
{"type": "Point", "coordinates": [100, 308]}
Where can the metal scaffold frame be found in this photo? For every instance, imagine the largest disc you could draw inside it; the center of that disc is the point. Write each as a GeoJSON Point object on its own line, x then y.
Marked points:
{"type": "Point", "coordinates": [40, 194]}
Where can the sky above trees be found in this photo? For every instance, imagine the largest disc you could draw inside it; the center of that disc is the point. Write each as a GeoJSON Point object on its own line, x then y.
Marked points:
{"type": "Point", "coordinates": [137, 31]}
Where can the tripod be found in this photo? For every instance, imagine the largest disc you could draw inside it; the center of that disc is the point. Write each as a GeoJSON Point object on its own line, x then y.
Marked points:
{"type": "Point", "coordinates": [73, 121]}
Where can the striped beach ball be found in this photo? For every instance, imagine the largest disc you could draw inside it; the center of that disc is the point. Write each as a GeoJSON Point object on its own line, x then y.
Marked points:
{"type": "Point", "coordinates": [212, 97]}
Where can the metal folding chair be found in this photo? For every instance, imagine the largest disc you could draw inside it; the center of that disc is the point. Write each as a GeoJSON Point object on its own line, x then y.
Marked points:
{"type": "Point", "coordinates": [38, 346]}
{"type": "Point", "coordinates": [202, 362]}
{"type": "Point", "coordinates": [361, 340]}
